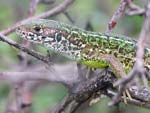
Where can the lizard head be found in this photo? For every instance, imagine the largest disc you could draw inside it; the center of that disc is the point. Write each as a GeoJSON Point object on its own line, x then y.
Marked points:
{"type": "Point", "coordinates": [42, 31]}
{"type": "Point", "coordinates": [39, 30]}
{"type": "Point", "coordinates": [52, 34]}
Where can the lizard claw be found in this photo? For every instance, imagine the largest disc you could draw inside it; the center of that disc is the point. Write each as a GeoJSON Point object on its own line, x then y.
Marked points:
{"type": "Point", "coordinates": [126, 95]}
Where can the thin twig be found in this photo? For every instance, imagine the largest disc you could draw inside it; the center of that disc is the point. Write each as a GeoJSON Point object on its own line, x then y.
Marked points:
{"type": "Point", "coordinates": [133, 101]}
{"type": "Point", "coordinates": [138, 68]}
{"type": "Point", "coordinates": [83, 91]}
{"type": "Point", "coordinates": [57, 73]}
{"type": "Point", "coordinates": [24, 58]}
{"type": "Point", "coordinates": [26, 50]}
{"type": "Point", "coordinates": [56, 10]}
{"type": "Point", "coordinates": [47, 1]}
{"type": "Point", "coordinates": [69, 17]}
{"type": "Point", "coordinates": [117, 15]}
{"type": "Point", "coordinates": [32, 7]}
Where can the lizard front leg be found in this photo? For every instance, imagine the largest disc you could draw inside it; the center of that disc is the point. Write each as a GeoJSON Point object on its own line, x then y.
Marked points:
{"type": "Point", "coordinates": [118, 70]}
{"type": "Point", "coordinates": [115, 65]}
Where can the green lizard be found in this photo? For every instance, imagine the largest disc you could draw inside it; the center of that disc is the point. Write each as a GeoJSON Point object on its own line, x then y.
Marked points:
{"type": "Point", "coordinates": [96, 50]}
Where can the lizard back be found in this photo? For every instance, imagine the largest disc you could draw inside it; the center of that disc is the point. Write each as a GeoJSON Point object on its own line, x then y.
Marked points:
{"type": "Point", "coordinates": [83, 46]}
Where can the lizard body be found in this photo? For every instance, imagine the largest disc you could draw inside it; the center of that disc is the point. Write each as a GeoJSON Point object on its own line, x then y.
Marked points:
{"type": "Point", "coordinates": [96, 50]}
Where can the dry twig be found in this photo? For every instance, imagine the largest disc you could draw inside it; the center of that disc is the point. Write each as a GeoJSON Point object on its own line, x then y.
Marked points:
{"type": "Point", "coordinates": [56, 10]}
{"type": "Point", "coordinates": [138, 68]}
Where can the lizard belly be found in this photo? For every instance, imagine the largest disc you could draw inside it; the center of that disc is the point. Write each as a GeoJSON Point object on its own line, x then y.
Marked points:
{"type": "Point", "coordinates": [95, 64]}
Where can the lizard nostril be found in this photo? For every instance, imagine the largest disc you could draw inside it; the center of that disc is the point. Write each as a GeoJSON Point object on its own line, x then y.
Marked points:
{"type": "Point", "coordinates": [23, 33]}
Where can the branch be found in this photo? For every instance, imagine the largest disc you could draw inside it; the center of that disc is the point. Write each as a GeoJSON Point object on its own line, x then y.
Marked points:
{"type": "Point", "coordinates": [57, 73]}
{"type": "Point", "coordinates": [83, 91]}
{"type": "Point", "coordinates": [138, 68]}
{"type": "Point", "coordinates": [32, 7]}
{"type": "Point", "coordinates": [24, 49]}
{"type": "Point", "coordinates": [129, 101]}
{"type": "Point", "coordinates": [117, 15]}
{"type": "Point", "coordinates": [56, 10]}
{"type": "Point", "coordinates": [133, 10]}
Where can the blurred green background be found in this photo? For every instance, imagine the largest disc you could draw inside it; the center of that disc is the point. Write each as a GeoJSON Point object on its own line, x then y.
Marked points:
{"type": "Point", "coordinates": [97, 12]}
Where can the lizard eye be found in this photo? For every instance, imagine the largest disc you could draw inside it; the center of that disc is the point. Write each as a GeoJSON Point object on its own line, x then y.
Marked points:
{"type": "Point", "coordinates": [37, 28]}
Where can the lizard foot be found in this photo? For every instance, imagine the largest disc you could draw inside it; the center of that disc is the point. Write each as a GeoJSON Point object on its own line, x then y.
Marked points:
{"type": "Point", "coordinates": [126, 95]}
